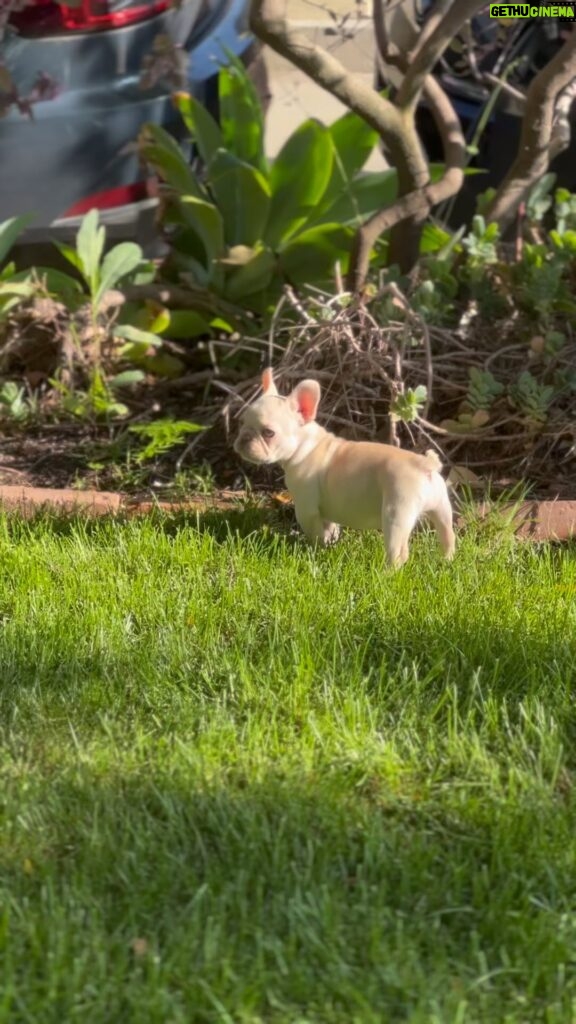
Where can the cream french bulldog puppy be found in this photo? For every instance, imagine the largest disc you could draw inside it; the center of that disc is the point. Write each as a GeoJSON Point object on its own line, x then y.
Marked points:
{"type": "Point", "coordinates": [335, 482]}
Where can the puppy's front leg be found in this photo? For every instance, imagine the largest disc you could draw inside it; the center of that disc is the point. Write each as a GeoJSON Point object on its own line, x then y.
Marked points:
{"type": "Point", "coordinates": [317, 529]}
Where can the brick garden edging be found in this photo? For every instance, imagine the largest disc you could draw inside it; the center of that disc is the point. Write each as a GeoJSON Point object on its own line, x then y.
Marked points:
{"type": "Point", "coordinates": [540, 520]}
{"type": "Point", "coordinates": [28, 500]}
{"type": "Point", "coordinates": [534, 520]}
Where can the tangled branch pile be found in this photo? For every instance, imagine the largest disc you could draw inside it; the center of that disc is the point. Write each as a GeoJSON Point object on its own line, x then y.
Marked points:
{"type": "Point", "coordinates": [497, 407]}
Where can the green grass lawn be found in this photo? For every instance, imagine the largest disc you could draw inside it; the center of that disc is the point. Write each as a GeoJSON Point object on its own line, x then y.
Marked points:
{"type": "Point", "coordinates": [243, 781]}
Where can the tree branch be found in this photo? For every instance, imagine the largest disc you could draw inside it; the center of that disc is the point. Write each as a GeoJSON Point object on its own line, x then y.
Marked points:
{"type": "Point", "coordinates": [268, 24]}
{"type": "Point", "coordinates": [417, 203]}
{"type": "Point", "coordinates": [394, 122]}
{"type": "Point", "coordinates": [431, 46]}
{"type": "Point", "coordinates": [396, 130]}
{"type": "Point", "coordinates": [539, 144]}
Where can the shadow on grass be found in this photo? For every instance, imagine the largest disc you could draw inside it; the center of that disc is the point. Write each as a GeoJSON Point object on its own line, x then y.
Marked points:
{"type": "Point", "coordinates": [248, 517]}
{"type": "Point", "coordinates": [242, 521]}
{"type": "Point", "coordinates": [265, 901]}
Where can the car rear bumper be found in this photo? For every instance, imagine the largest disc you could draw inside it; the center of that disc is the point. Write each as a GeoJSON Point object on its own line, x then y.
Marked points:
{"type": "Point", "coordinates": [82, 142]}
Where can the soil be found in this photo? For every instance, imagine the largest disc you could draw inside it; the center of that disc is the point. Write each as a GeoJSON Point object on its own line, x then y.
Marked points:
{"type": "Point", "coordinates": [50, 458]}
{"type": "Point", "coordinates": [73, 455]}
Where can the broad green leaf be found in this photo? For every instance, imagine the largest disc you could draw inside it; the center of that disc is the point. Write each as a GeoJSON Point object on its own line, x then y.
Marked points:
{"type": "Point", "coordinates": [135, 334]}
{"type": "Point", "coordinates": [146, 273]}
{"type": "Point", "coordinates": [203, 129]}
{"type": "Point", "coordinates": [118, 263]}
{"type": "Point", "coordinates": [70, 254]}
{"type": "Point", "coordinates": [362, 197]}
{"type": "Point", "coordinates": [159, 320]}
{"type": "Point", "coordinates": [187, 243]}
{"type": "Point", "coordinates": [206, 220]}
{"type": "Point", "coordinates": [218, 324]}
{"type": "Point", "coordinates": [366, 194]}
{"type": "Point", "coordinates": [162, 364]}
{"type": "Point", "coordinates": [254, 276]}
{"type": "Point", "coordinates": [241, 117]}
{"type": "Point", "coordinates": [126, 378]}
{"type": "Point", "coordinates": [542, 188]}
{"type": "Point", "coordinates": [166, 429]}
{"type": "Point", "coordinates": [437, 170]}
{"type": "Point", "coordinates": [313, 253]}
{"type": "Point", "coordinates": [134, 351]}
{"type": "Point", "coordinates": [107, 408]}
{"type": "Point", "coordinates": [8, 271]}
{"type": "Point", "coordinates": [167, 159]}
{"type": "Point", "coordinates": [420, 393]}
{"type": "Point", "coordinates": [9, 231]}
{"type": "Point", "coordinates": [8, 302]}
{"type": "Point", "coordinates": [243, 198]}
{"type": "Point", "coordinates": [434, 238]}
{"type": "Point", "coordinates": [186, 323]}
{"type": "Point", "coordinates": [187, 267]}
{"type": "Point", "coordinates": [152, 316]}
{"type": "Point", "coordinates": [60, 284]}
{"type": "Point", "coordinates": [20, 288]}
{"type": "Point", "coordinates": [299, 177]}
{"type": "Point", "coordinates": [14, 290]}
{"type": "Point", "coordinates": [353, 141]}
{"type": "Point", "coordinates": [90, 241]}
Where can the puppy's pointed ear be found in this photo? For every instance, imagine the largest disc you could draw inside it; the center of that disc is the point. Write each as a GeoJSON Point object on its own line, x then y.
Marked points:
{"type": "Point", "coordinates": [268, 385]}
{"type": "Point", "coordinates": [305, 398]}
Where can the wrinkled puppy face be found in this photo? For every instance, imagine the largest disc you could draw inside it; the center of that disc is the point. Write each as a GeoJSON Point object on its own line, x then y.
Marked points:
{"type": "Point", "coordinates": [271, 428]}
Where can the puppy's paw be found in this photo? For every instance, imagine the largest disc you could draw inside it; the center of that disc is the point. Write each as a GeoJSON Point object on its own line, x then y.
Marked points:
{"type": "Point", "coordinates": [331, 534]}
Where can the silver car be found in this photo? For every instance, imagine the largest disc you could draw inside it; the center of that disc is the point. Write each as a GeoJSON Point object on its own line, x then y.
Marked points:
{"type": "Point", "coordinates": [73, 97]}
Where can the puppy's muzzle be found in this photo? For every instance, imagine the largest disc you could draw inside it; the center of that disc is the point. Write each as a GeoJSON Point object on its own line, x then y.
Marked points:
{"type": "Point", "coordinates": [246, 445]}
{"type": "Point", "coordinates": [243, 440]}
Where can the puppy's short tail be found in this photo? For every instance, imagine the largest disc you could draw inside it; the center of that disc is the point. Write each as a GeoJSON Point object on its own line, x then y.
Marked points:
{"type": "Point", "coordinates": [433, 460]}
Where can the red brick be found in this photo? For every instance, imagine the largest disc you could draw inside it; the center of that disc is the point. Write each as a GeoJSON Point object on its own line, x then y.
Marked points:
{"type": "Point", "coordinates": [28, 500]}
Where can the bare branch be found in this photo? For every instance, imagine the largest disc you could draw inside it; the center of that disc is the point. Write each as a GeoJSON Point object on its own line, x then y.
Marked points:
{"type": "Point", "coordinates": [433, 21]}
{"type": "Point", "coordinates": [268, 24]}
{"type": "Point", "coordinates": [396, 129]}
{"type": "Point", "coordinates": [380, 31]}
{"type": "Point", "coordinates": [538, 142]}
{"type": "Point", "coordinates": [431, 47]}
{"type": "Point", "coordinates": [510, 90]}
{"type": "Point", "coordinates": [417, 203]}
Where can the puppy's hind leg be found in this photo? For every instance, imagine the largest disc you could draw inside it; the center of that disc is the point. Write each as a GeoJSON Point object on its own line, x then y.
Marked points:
{"type": "Point", "coordinates": [398, 521]}
{"type": "Point", "coordinates": [441, 519]}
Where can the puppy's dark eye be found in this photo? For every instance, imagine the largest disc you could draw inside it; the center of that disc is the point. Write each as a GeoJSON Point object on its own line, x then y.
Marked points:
{"type": "Point", "coordinates": [267, 434]}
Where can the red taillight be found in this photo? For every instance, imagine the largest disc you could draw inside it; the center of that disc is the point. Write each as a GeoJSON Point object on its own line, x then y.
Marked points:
{"type": "Point", "coordinates": [94, 14]}
{"type": "Point", "coordinates": [41, 17]}
{"type": "Point", "coordinates": [113, 197]}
